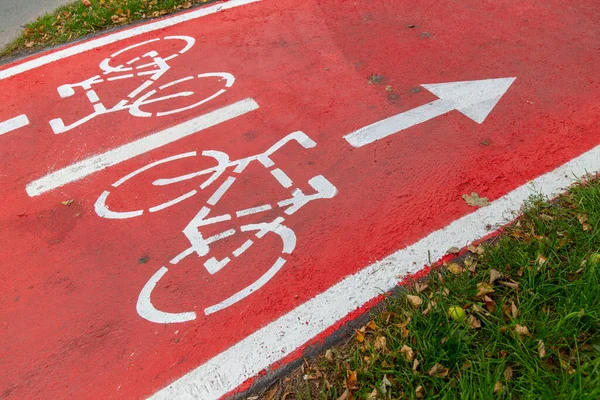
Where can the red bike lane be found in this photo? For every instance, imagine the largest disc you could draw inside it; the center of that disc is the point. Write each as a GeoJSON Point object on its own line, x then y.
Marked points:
{"type": "Point", "coordinates": [156, 236]}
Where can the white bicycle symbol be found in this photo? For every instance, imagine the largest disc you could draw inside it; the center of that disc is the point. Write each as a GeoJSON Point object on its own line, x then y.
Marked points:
{"type": "Point", "coordinates": [323, 189]}
{"type": "Point", "coordinates": [141, 64]}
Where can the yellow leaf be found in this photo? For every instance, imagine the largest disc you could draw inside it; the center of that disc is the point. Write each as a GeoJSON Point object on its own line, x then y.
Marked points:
{"type": "Point", "coordinates": [498, 387]}
{"type": "Point", "coordinates": [67, 203]}
{"type": "Point", "coordinates": [360, 335]}
{"type": "Point", "coordinates": [455, 268]}
{"type": "Point", "coordinates": [419, 392]}
{"type": "Point", "coordinates": [483, 289]}
{"type": "Point", "coordinates": [372, 325]}
{"type": "Point", "coordinates": [351, 380]}
{"type": "Point", "coordinates": [380, 343]}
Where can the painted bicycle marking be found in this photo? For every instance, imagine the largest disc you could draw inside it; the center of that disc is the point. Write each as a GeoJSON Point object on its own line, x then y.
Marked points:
{"type": "Point", "coordinates": [200, 245]}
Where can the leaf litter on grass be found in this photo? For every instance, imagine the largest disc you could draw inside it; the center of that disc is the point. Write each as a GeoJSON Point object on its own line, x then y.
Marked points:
{"type": "Point", "coordinates": [531, 329]}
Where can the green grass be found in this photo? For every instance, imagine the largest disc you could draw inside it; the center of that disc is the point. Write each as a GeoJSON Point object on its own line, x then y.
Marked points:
{"type": "Point", "coordinates": [550, 266]}
{"type": "Point", "coordinates": [76, 20]}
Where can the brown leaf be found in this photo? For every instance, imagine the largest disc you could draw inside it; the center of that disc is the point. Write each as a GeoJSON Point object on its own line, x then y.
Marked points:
{"type": "Point", "coordinates": [419, 392]}
{"type": "Point", "coordinates": [438, 370]}
{"type": "Point", "coordinates": [29, 44]}
{"type": "Point", "coordinates": [329, 355]}
{"type": "Point", "coordinates": [494, 275]}
{"type": "Point", "coordinates": [414, 300]}
{"type": "Point", "coordinates": [483, 289]}
{"type": "Point", "coordinates": [67, 203]}
{"type": "Point", "coordinates": [474, 323]}
{"type": "Point", "coordinates": [405, 332]}
{"type": "Point", "coordinates": [415, 366]}
{"type": "Point", "coordinates": [498, 387]}
{"type": "Point", "coordinates": [455, 268]}
{"type": "Point", "coordinates": [508, 373]}
{"type": "Point", "coordinates": [270, 395]}
{"type": "Point", "coordinates": [541, 349]}
{"type": "Point", "coordinates": [453, 250]}
{"type": "Point", "coordinates": [408, 352]}
{"type": "Point", "coordinates": [583, 220]}
{"type": "Point", "coordinates": [541, 259]}
{"type": "Point", "coordinates": [344, 396]}
{"type": "Point", "coordinates": [86, 3]}
{"type": "Point", "coordinates": [380, 343]}
{"type": "Point", "coordinates": [514, 311]}
{"type": "Point", "coordinates": [512, 285]}
{"type": "Point", "coordinates": [351, 380]}
{"type": "Point", "coordinates": [522, 331]}
{"type": "Point", "coordinates": [479, 250]}
{"type": "Point", "coordinates": [474, 200]}
{"type": "Point", "coordinates": [419, 287]}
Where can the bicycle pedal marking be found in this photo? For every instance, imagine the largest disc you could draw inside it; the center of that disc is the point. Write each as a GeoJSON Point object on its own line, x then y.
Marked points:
{"type": "Point", "coordinates": [154, 67]}
{"type": "Point", "coordinates": [200, 245]}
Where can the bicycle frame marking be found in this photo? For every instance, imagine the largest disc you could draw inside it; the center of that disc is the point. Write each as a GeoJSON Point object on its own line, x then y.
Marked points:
{"type": "Point", "coordinates": [201, 245]}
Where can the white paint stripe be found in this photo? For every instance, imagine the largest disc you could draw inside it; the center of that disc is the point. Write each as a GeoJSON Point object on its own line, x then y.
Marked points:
{"type": "Point", "coordinates": [246, 359]}
{"type": "Point", "coordinates": [282, 177]}
{"type": "Point", "coordinates": [120, 35]}
{"type": "Point", "coordinates": [245, 246]}
{"type": "Point", "coordinates": [214, 199]}
{"type": "Point", "coordinates": [253, 210]}
{"type": "Point", "coordinates": [99, 162]}
{"type": "Point", "coordinates": [174, 201]}
{"type": "Point", "coordinates": [13, 123]}
{"type": "Point", "coordinates": [248, 290]}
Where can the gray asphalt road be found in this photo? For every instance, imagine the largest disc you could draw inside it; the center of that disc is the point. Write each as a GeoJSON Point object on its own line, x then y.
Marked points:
{"type": "Point", "coordinates": [16, 13]}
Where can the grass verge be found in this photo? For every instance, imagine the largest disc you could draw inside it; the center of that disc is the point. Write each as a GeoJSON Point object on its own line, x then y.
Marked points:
{"type": "Point", "coordinates": [518, 318]}
{"type": "Point", "coordinates": [79, 19]}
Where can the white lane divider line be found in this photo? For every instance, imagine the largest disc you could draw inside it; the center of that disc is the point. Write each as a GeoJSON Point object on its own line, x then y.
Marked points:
{"type": "Point", "coordinates": [275, 341]}
{"type": "Point", "coordinates": [13, 123]}
{"type": "Point", "coordinates": [112, 157]}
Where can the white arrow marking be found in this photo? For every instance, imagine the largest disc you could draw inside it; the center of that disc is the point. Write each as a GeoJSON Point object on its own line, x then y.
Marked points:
{"type": "Point", "coordinates": [475, 99]}
{"type": "Point", "coordinates": [13, 123]}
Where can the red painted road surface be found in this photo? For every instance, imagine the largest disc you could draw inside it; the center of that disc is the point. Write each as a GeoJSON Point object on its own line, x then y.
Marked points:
{"type": "Point", "coordinates": [75, 322]}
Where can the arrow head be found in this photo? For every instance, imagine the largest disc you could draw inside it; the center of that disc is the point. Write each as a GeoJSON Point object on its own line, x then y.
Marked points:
{"type": "Point", "coordinates": [475, 99]}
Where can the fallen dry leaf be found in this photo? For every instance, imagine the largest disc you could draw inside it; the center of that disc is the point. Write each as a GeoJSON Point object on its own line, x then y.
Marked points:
{"type": "Point", "coordinates": [512, 285]}
{"type": "Point", "coordinates": [372, 325]}
{"type": "Point", "coordinates": [455, 268]}
{"type": "Point", "coordinates": [360, 334]}
{"type": "Point", "coordinates": [415, 365]}
{"type": "Point", "coordinates": [414, 300]}
{"type": "Point", "coordinates": [522, 331]}
{"type": "Point", "coordinates": [479, 250]}
{"type": "Point", "coordinates": [498, 387]}
{"type": "Point", "coordinates": [508, 373]}
{"type": "Point", "coordinates": [372, 395]}
{"type": "Point", "coordinates": [344, 395]}
{"type": "Point", "coordinates": [419, 392]}
{"type": "Point", "coordinates": [541, 349]}
{"type": "Point", "coordinates": [583, 220]}
{"type": "Point", "coordinates": [474, 200]}
{"type": "Point", "coordinates": [453, 250]}
{"type": "Point", "coordinates": [483, 289]}
{"type": "Point", "coordinates": [474, 323]}
{"type": "Point", "coordinates": [408, 352]}
{"type": "Point", "coordinates": [67, 203]}
{"type": "Point", "coordinates": [86, 3]}
{"type": "Point", "coordinates": [494, 275]}
{"type": "Point", "coordinates": [541, 259]}
{"type": "Point", "coordinates": [351, 380]}
{"type": "Point", "coordinates": [438, 370]}
{"type": "Point", "coordinates": [380, 343]}
{"type": "Point", "coordinates": [514, 311]}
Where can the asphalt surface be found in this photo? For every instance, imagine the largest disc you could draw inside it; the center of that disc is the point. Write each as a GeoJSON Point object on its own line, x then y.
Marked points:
{"type": "Point", "coordinates": [15, 14]}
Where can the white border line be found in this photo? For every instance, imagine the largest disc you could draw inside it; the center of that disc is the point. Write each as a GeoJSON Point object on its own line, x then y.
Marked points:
{"type": "Point", "coordinates": [248, 358]}
{"type": "Point", "coordinates": [120, 35]}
